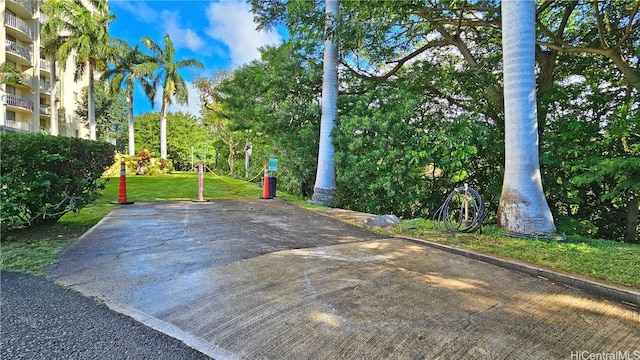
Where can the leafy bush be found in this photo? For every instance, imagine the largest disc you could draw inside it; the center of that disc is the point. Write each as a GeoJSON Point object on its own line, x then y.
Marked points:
{"type": "Point", "coordinates": [131, 164]}
{"type": "Point", "coordinates": [141, 164]}
{"type": "Point", "coordinates": [43, 177]}
{"type": "Point", "coordinates": [150, 166]}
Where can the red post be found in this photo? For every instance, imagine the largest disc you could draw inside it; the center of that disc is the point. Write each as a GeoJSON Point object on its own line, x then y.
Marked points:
{"type": "Point", "coordinates": [122, 191]}
{"type": "Point", "coordinates": [200, 183]}
{"type": "Point", "coordinates": [265, 188]}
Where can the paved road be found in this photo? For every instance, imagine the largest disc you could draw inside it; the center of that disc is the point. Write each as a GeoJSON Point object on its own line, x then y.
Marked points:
{"type": "Point", "coordinates": [41, 320]}
{"type": "Point", "coordinates": [264, 279]}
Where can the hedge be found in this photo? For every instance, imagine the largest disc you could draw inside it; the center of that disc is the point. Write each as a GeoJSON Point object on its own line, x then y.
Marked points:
{"type": "Point", "coordinates": [43, 177]}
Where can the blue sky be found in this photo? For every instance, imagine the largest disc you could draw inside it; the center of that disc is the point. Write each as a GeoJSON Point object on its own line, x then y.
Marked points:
{"type": "Point", "coordinates": [220, 34]}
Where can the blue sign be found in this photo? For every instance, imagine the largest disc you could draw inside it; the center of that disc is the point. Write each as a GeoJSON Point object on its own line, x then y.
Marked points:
{"type": "Point", "coordinates": [273, 164]}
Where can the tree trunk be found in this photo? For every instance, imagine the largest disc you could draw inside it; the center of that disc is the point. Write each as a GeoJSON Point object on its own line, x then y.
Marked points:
{"type": "Point", "coordinates": [132, 142]}
{"type": "Point", "coordinates": [53, 116]}
{"type": "Point", "coordinates": [92, 108]}
{"type": "Point", "coordinates": [232, 157]}
{"type": "Point", "coordinates": [325, 186]}
{"type": "Point", "coordinates": [163, 130]}
{"type": "Point", "coordinates": [523, 208]}
{"type": "Point", "coordinates": [633, 212]}
{"type": "Point", "coordinates": [248, 150]}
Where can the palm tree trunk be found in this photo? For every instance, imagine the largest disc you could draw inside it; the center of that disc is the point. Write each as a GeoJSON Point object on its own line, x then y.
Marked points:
{"type": "Point", "coordinates": [163, 130]}
{"type": "Point", "coordinates": [325, 186]}
{"type": "Point", "coordinates": [92, 108]}
{"type": "Point", "coordinates": [631, 233]}
{"type": "Point", "coordinates": [523, 208]}
{"type": "Point", "coordinates": [132, 142]}
{"type": "Point", "coordinates": [53, 116]}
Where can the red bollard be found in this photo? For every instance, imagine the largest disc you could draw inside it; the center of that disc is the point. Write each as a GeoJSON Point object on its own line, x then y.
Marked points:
{"type": "Point", "coordinates": [265, 188]}
{"type": "Point", "coordinates": [122, 192]}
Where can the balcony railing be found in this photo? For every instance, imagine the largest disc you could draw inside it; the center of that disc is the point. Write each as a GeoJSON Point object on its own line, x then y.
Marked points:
{"type": "Point", "coordinates": [45, 65]}
{"type": "Point", "coordinates": [17, 23]}
{"type": "Point", "coordinates": [62, 115]}
{"type": "Point", "coordinates": [13, 47]}
{"type": "Point", "coordinates": [17, 101]}
{"type": "Point", "coordinates": [45, 86]}
{"type": "Point", "coordinates": [17, 125]}
{"type": "Point", "coordinates": [45, 109]}
{"type": "Point", "coordinates": [27, 4]}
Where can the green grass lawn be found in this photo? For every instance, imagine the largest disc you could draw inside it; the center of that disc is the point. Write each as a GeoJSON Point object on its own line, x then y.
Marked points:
{"type": "Point", "coordinates": [612, 261]}
{"type": "Point", "coordinates": [31, 249]}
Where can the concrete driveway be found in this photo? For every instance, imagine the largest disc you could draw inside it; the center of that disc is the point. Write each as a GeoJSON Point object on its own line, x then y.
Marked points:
{"type": "Point", "coordinates": [265, 279]}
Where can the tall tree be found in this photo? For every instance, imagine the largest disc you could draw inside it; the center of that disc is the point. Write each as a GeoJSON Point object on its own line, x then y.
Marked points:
{"type": "Point", "coordinates": [79, 31]}
{"type": "Point", "coordinates": [174, 86]}
{"type": "Point", "coordinates": [523, 208]}
{"type": "Point", "coordinates": [130, 65]}
{"type": "Point", "coordinates": [324, 190]}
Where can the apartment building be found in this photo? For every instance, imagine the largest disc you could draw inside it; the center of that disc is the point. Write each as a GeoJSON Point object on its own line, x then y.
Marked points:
{"type": "Point", "coordinates": [29, 109]}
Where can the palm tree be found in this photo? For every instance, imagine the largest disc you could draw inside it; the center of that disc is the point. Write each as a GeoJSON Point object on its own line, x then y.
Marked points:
{"type": "Point", "coordinates": [324, 189]}
{"type": "Point", "coordinates": [173, 85]}
{"type": "Point", "coordinates": [523, 208]}
{"type": "Point", "coordinates": [79, 31]}
{"type": "Point", "coordinates": [130, 65]}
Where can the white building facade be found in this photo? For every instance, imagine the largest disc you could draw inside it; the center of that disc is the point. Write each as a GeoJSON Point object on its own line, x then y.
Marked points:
{"type": "Point", "coordinates": [29, 110]}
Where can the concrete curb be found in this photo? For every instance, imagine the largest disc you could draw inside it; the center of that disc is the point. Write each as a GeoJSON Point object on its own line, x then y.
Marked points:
{"type": "Point", "coordinates": [175, 332]}
{"type": "Point", "coordinates": [612, 292]}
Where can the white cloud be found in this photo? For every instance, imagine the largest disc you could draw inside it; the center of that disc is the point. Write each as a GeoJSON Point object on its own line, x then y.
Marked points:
{"type": "Point", "coordinates": [140, 8]}
{"type": "Point", "coordinates": [181, 37]}
{"type": "Point", "coordinates": [168, 21]}
{"type": "Point", "coordinates": [231, 23]}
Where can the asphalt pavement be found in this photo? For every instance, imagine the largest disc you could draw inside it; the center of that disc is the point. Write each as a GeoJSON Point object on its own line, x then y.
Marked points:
{"type": "Point", "coordinates": [42, 320]}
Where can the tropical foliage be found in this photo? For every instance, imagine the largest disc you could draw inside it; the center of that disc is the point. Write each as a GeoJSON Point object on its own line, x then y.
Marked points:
{"type": "Point", "coordinates": [44, 177]}
{"type": "Point", "coordinates": [421, 104]}
{"type": "Point", "coordinates": [167, 75]}
{"type": "Point", "coordinates": [130, 66]}
{"type": "Point", "coordinates": [184, 131]}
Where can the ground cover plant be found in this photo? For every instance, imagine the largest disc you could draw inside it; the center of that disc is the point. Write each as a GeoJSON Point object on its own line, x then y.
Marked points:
{"type": "Point", "coordinates": [31, 249]}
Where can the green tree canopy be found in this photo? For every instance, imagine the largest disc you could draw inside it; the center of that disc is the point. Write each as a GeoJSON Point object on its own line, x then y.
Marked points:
{"type": "Point", "coordinates": [183, 131]}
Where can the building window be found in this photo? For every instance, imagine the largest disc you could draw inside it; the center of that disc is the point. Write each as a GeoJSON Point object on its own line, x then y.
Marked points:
{"type": "Point", "coordinates": [11, 90]}
{"type": "Point", "coordinates": [11, 116]}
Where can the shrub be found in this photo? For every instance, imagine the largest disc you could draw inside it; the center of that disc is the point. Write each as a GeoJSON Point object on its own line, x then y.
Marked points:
{"type": "Point", "coordinates": [141, 164]}
{"type": "Point", "coordinates": [43, 177]}
{"type": "Point", "coordinates": [131, 163]}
